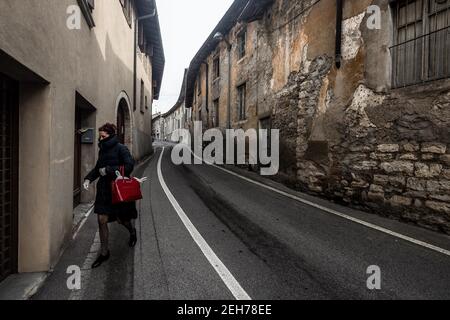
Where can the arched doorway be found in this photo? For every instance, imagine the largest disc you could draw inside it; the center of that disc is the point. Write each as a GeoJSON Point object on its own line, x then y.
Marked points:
{"type": "Point", "coordinates": [123, 121]}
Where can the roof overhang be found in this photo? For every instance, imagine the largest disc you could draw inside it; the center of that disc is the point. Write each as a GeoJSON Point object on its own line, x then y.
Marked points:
{"type": "Point", "coordinates": [240, 11]}
{"type": "Point", "coordinates": [152, 32]}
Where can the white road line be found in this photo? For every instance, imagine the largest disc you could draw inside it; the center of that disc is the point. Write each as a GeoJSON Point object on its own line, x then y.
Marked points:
{"type": "Point", "coordinates": [85, 218]}
{"type": "Point", "coordinates": [226, 276]}
{"type": "Point", "coordinates": [334, 212]}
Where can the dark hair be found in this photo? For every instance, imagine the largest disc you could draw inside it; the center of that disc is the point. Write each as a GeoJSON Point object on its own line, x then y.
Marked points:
{"type": "Point", "coordinates": [109, 128]}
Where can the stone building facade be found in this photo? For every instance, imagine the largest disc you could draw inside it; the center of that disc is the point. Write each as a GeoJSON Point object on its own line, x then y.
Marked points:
{"type": "Point", "coordinates": [66, 67]}
{"type": "Point", "coordinates": [362, 103]}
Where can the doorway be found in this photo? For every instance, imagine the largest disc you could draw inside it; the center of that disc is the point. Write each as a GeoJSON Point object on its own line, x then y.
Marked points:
{"type": "Point", "coordinates": [9, 104]}
{"type": "Point", "coordinates": [123, 122]}
{"type": "Point", "coordinates": [84, 156]}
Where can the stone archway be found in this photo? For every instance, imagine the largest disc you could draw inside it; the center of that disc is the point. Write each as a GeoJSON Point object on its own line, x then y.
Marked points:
{"type": "Point", "coordinates": [124, 120]}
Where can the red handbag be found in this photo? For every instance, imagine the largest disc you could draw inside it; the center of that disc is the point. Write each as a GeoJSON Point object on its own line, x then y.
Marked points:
{"type": "Point", "coordinates": [125, 190]}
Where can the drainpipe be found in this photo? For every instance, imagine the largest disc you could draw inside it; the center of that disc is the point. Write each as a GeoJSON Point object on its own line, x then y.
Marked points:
{"type": "Point", "coordinates": [219, 36]}
{"type": "Point", "coordinates": [229, 85]}
{"type": "Point", "coordinates": [339, 19]}
{"type": "Point", "coordinates": [136, 35]}
{"type": "Point", "coordinates": [207, 87]}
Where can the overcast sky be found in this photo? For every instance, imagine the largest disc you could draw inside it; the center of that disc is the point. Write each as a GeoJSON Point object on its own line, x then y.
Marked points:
{"type": "Point", "coordinates": [185, 25]}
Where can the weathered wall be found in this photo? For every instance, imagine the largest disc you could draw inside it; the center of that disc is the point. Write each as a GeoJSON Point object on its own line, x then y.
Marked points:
{"type": "Point", "coordinates": [357, 140]}
{"type": "Point", "coordinates": [345, 133]}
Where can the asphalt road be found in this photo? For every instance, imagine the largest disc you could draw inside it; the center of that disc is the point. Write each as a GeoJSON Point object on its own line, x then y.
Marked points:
{"type": "Point", "coordinates": [238, 237]}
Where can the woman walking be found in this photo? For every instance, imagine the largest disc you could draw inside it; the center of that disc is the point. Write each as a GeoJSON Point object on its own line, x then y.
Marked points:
{"type": "Point", "coordinates": [112, 156]}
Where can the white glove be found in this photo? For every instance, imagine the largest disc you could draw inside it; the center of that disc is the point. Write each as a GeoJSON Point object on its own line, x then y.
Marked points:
{"type": "Point", "coordinates": [102, 172]}
{"type": "Point", "coordinates": [141, 180]}
{"type": "Point", "coordinates": [86, 185]}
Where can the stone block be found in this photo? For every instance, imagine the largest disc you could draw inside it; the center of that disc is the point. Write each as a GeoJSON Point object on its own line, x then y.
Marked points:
{"type": "Point", "coordinates": [376, 189]}
{"type": "Point", "coordinates": [446, 174]}
{"type": "Point", "coordinates": [438, 186]}
{"type": "Point", "coordinates": [441, 197]}
{"type": "Point", "coordinates": [438, 206]}
{"type": "Point", "coordinates": [417, 184]}
{"type": "Point", "coordinates": [446, 159]}
{"type": "Point", "coordinates": [411, 147]}
{"type": "Point", "coordinates": [398, 166]}
{"type": "Point", "coordinates": [389, 180]}
{"type": "Point", "coordinates": [400, 201]}
{"type": "Point", "coordinates": [376, 197]}
{"type": "Point", "coordinates": [438, 148]}
{"type": "Point", "coordinates": [409, 156]}
{"type": "Point", "coordinates": [381, 156]}
{"type": "Point", "coordinates": [365, 165]}
{"type": "Point", "coordinates": [359, 184]}
{"type": "Point", "coordinates": [388, 148]}
{"type": "Point", "coordinates": [424, 170]}
{"type": "Point", "coordinates": [428, 156]}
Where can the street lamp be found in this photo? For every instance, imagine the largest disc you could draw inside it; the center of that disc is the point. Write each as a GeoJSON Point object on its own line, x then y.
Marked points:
{"type": "Point", "coordinates": [220, 37]}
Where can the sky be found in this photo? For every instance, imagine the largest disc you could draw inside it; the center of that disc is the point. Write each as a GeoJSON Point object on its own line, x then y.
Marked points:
{"type": "Point", "coordinates": [185, 25]}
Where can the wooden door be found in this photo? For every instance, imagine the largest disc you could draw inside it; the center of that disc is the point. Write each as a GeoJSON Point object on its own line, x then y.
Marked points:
{"type": "Point", "coordinates": [9, 104]}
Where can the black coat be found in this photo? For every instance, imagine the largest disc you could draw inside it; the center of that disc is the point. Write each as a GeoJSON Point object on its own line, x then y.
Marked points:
{"type": "Point", "coordinates": [112, 155]}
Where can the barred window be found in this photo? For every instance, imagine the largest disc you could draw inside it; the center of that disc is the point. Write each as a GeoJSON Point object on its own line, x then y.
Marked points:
{"type": "Point", "coordinates": [421, 41]}
{"type": "Point", "coordinates": [242, 103]}
{"type": "Point", "coordinates": [216, 68]}
{"type": "Point", "coordinates": [242, 43]}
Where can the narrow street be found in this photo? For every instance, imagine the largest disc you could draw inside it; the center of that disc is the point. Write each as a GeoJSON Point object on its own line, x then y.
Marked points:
{"type": "Point", "coordinates": [261, 244]}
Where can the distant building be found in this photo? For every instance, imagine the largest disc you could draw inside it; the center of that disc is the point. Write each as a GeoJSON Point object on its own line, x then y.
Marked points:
{"type": "Point", "coordinates": [157, 126]}
{"type": "Point", "coordinates": [175, 118]}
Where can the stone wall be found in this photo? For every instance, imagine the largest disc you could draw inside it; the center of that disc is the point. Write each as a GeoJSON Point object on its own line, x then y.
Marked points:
{"type": "Point", "coordinates": [356, 140]}
{"type": "Point", "coordinates": [344, 132]}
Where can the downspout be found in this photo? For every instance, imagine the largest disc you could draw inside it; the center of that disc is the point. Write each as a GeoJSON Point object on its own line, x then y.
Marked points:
{"type": "Point", "coordinates": [207, 88]}
{"type": "Point", "coordinates": [229, 86]}
{"type": "Point", "coordinates": [339, 19]}
{"type": "Point", "coordinates": [136, 34]}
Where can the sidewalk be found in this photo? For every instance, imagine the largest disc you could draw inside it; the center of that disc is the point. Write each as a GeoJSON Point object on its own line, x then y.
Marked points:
{"type": "Point", "coordinates": [22, 286]}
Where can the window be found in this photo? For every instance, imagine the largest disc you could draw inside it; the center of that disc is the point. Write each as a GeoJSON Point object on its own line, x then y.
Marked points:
{"type": "Point", "coordinates": [127, 10]}
{"type": "Point", "coordinates": [146, 102]}
{"type": "Point", "coordinates": [215, 114]}
{"type": "Point", "coordinates": [142, 96]}
{"type": "Point", "coordinates": [216, 68]}
{"type": "Point", "coordinates": [241, 103]}
{"type": "Point", "coordinates": [242, 43]}
{"type": "Point", "coordinates": [421, 41]}
{"type": "Point", "coordinates": [199, 83]}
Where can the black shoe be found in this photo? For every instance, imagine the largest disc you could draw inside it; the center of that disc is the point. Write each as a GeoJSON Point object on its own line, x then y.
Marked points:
{"type": "Point", "coordinates": [133, 238]}
{"type": "Point", "coordinates": [101, 258]}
